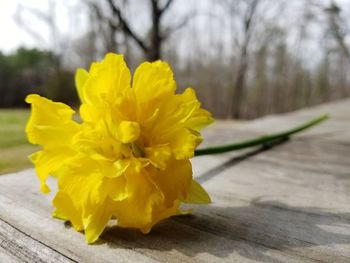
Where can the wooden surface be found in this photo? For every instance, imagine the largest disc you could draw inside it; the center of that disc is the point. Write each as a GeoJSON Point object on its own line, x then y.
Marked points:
{"type": "Point", "coordinates": [289, 203]}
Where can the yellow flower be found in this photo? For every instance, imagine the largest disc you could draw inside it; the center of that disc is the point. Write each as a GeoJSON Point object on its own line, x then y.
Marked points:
{"type": "Point", "coordinates": [129, 156]}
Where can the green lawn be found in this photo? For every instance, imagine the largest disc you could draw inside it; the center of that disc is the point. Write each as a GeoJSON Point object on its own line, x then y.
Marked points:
{"type": "Point", "coordinates": [14, 147]}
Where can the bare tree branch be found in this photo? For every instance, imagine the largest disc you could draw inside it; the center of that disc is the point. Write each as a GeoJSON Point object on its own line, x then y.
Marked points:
{"type": "Point", "coordinates": [248, 20]}
{"type": "Point", "coordinates": [335, 24]}
{"type": "Point", "coordinates": [125, 25]}
{"type": "Point", "coordinates": [48, 18]}
{"type": "Point", "coordinates": [19, 20]}
{"type": "Point", "coordinates": [243, 60]}
{"type": "Point", "coordinates": [166, 6]}
{"type": "Point", "coordinates": [152, 46]}
{"type": "Point", "coordinates": [172, 29]}
{"type": "Point", "coordinates": [108, 34]}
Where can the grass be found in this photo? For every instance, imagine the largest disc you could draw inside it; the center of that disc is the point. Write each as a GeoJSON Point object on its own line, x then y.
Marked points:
{"type": "Point", "coordinates": [14, 147]}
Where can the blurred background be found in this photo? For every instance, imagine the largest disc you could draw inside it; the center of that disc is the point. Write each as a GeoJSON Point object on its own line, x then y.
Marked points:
{"type": "Point", "coordinates": [244, 58]}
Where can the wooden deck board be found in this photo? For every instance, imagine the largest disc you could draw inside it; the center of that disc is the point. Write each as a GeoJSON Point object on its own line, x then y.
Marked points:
{"type": "Point", "coordinates": [289, 203]}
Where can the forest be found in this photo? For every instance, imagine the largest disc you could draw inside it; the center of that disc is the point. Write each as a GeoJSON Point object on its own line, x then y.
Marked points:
{"type": "Point", "coordinates": [244, 58]}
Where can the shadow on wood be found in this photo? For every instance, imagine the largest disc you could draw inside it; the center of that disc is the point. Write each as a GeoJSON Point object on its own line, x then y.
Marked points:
{"type": "Point", "coordinates": [264, 225]}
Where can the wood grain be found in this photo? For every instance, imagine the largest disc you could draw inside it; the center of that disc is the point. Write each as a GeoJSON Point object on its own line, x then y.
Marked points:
{"type": "Point", "coordinates": [289, 203]}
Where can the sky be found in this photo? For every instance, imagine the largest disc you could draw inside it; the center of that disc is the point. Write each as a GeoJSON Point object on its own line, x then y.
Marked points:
{"type": "Point", "coordinates": [13, 36]}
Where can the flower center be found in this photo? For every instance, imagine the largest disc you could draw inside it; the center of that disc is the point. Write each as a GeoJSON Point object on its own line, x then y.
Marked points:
{"type": "Point", "coordinates": [137, 150]}
{"type": "Point", "coordinates": [128, 131]}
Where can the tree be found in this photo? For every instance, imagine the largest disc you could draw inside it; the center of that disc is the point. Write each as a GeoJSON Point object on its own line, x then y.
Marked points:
{"type": "Point", "coordinates": [247, 24]}
{"type": "Point", "coordinates": [151, 44]}
{"type": "Point", "coordinates": [23, 72]}
{"type": "Point", "coordinates": [337, 26]}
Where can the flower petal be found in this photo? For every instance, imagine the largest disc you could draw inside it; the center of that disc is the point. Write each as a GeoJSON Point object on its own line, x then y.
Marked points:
{"type": "Point", "coordinates": [81, 76]}
{"type": "Point", "coordinates": [50, 125]}
{"type": "Point", "coordinates": [199, 120]}
{"type": "Point", "coordinates": [153, 80]}
{"type": "Point", "coordinates": [111, 76]}
{"type": "Point", "coordinates": [96, 221]}
{"type": "Point", "coordinates": [84, 196]}
{"type": "Point", "coordinates": [136, 210]}
{"type": "Point", "coordinates": [183, 142]}
{"type": "Point", "coordinates": [197, 194]}
{"type": "Point", "coordinates": [48, 161]}
{"type": "Point", "coordinates": [158, 155]}
{"type": "Point", "coordinates": [116, 188]}
{"type": "Point", "coordinates": [196, 118]}
{"type": "Point", "coordinates": [174, 182]}
{"type": "Point", "coordinates": [66, 210]}
{"type": "Point", "coordinates": [179, 122]}
{"type": "Point", "coordinates": [128, 131]}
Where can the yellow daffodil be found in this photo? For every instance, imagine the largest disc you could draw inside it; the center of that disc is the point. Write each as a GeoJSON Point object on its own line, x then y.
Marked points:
{"type": "Point", "coordinates": [129, 156]}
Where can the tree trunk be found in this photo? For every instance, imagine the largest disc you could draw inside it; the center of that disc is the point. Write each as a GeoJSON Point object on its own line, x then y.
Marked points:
{"type": "Point", "coordinates": [238, 92]}
{"type": "Point", "coordinates": [239, 85]}
{"type": "Point", "coordinates": [154, 51]}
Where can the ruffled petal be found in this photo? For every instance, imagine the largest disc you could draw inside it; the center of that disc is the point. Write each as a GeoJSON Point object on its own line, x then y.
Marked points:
{"type": "Point", "coordinates": [51, 126]}
{"type": "Point", "coordinates": [48, 162]}
{"type": "Point", "coordinates": [199, 120]}
{"type": "Point", "coordinates": [195, 118]}
{"type": "Point", "coordinates": [82, 181]}
{"type": "Point", "coordinates": [96, 221]}
{"type": "Point", "coordinates": [50, 123]}
{"type": "Point", "coordinates": [158, 155]}
{"type": "Point", "coordinates": [86, 197]}
{"type": "Point", "coordinates": [81, 76]}
{"type": "Point", "coordinates": [66, 210]}
{"type": "Point", "coordinates": [153, 81]}
{"type": "Point", "coordinates": [136, 210]}
{"type": "Point", "coordinates": [175, 181]}
{"type": "Point", "coordinates": [183, 143]}
{"type": "Point", "coordinates": [179, 122]}
{"type": "Point", "coordinates": [197, 194]}
{"type": "Point", "coordinates": [128, 131]}
{"type": "Point", "coordinates": [111, 76]}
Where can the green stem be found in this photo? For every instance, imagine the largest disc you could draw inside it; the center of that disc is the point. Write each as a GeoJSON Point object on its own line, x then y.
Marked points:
{"type": "Point", "coordinates": [261, 140]}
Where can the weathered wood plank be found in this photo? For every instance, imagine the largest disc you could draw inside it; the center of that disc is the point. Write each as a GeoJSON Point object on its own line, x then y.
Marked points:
{"type": "Point", "coordinates": [6, 257]}
{"type": "Point", "coordinates": [225, 131]}
{"type": "Point", "coordinates": [286, 204]}
{"type": "Point", "coordinates": [34, 219]}
{"type": "Point", "coordinates": [299, 190]}
{"type": "Point", "coordinates": [19, 246]}
{"type": "Point", "coordinates": [171, 241]}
